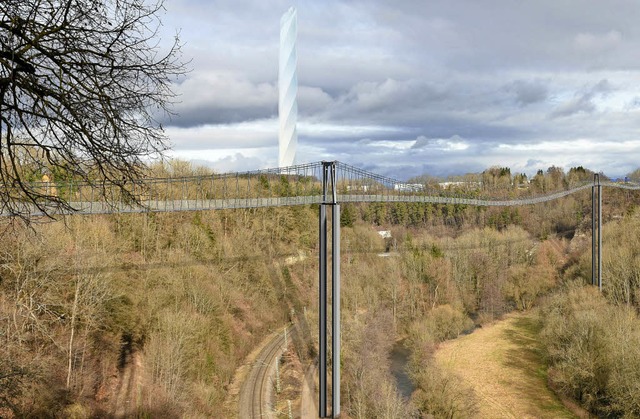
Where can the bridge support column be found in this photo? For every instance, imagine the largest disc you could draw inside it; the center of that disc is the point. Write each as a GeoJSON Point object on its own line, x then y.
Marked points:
{"type": "Point", "coordinates": [596, 232]}
{"type": "Point", "coordinates": [593, 233]}
{"type": "Point", "coordinates": [335, 316]}
{"type": "Point", "coordinates": [329, 200]}
{"type": "Point", "coordinates": [322, 314]}
{"type": "Point", "coordinates": [599, 235]}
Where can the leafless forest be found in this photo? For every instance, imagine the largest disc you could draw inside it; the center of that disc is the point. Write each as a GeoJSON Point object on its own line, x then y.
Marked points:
{"type": "Point", "coordinates": [151, 314]}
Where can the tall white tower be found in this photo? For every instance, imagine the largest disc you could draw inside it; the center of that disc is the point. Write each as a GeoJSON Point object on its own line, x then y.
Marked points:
{"type": "Point", "coordinates": [288, 89]}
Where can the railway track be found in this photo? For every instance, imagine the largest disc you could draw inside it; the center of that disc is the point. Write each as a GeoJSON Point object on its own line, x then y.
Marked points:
{"type": "Point", "coordinates": [255, 394]}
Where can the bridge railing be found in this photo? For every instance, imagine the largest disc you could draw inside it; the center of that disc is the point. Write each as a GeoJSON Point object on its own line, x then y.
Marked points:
{"type": "Point", "coordinates": [294, 185]}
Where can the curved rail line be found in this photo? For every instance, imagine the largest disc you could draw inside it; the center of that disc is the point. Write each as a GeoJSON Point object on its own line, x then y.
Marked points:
{"type": "Point", "coordinates": [254, 401]}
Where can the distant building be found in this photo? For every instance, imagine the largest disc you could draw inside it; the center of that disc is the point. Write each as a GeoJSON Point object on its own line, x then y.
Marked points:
{"type": "Point", "coordinates": [449, 185]}
{"type": "Point", "coordinates": [408, 187]}
{"type": "Point", "coordinates": [49, 186]}
{"type": "Point", "coordinates": [389, 242]}
{"type": "Point", "coordinates": [385, 234]}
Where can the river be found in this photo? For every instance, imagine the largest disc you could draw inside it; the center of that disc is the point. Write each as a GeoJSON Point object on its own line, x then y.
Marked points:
{"type": "Point", "coordinates": [399, 358]}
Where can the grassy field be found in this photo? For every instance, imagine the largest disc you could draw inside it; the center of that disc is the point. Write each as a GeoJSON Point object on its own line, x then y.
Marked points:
{"type": "Point", "coordinates": [503, 364]}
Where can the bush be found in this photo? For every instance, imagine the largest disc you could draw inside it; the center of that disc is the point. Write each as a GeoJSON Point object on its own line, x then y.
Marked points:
{"type": "Point", "coordinates": [593, 350]}
{"type": "Point", "coordinates": [441, 323]}
{"type": "Point", "coordinates": [442, 394]}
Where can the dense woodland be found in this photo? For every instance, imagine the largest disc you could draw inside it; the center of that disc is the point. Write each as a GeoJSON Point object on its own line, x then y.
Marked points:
{"type": "Point", "coordinates": [159, 310]}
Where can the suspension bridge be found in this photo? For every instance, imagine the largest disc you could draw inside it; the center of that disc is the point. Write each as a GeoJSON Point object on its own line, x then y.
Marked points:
{"type": "Point", "coordinates": [284, 186]}
{"type": "Point", "coordinates": [327, 184]}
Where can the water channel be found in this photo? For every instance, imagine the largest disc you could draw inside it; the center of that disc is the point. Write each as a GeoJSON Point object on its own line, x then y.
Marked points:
{"type": "Point", "coordinates": [399, 358]}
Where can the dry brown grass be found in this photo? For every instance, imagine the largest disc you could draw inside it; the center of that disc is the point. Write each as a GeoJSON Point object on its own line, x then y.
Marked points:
{"type": "Point", "coordinates": [502, 362]}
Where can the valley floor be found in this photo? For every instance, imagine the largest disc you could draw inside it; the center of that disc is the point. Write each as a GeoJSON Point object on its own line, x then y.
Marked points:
{"type": "Point", "coordinates": [503, 364]}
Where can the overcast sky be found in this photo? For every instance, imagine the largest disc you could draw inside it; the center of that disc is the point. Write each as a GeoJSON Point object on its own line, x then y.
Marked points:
{"type": "Point", "coordinates": [405, 88]}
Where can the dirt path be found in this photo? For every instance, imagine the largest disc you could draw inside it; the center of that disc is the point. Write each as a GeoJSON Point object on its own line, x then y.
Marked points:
{"type": "Point", "coordinates": [503, 364]}
{"type": "Point", "coordinates": [308, 408]}
{"type": "Point", "coordinates": [128, 388]}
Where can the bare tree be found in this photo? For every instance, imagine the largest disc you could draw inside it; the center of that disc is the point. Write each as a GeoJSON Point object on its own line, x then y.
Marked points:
{"type": "Point", "coordinates": [81, 84]}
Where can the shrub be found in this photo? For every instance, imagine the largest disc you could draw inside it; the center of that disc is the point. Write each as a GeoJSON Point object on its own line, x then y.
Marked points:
{"type": "Point", "coordinates": [593, 349]}
{"type": "Point", "coordinates": [442, 323]}
{"type": "Point", "coordinates": [443, 394]}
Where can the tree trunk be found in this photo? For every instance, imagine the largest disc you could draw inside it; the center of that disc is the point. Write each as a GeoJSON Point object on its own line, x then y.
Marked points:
{"type": "Point", "coordinates": [73, 325]}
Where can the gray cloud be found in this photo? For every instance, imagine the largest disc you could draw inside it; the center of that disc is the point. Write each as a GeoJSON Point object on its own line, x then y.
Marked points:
{"type": "Point", "coordinates": [583, 101]}
{"type": "Point", "coordinates": [534, 163]}
{"type": "Point", "coordinates": [598, 43]}
{"type": "Point", "coordinates": [455, 143]}
{"type": "Point", "coordinates": [409, 76]}
{"type": "Point", "coordinates": [528, 92]}
{"type": "Point", "coordinates": [233, 163]}
{"type": "Point", "coordinates": [633, 104]}
{"type": "Point", "coordinates": [210, 98]}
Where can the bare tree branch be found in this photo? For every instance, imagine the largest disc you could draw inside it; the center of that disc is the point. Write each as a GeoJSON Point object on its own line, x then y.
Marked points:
{"type": "Point", "coordinates": [81, 84]}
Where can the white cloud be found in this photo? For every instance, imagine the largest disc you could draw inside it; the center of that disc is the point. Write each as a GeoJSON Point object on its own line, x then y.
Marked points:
{"type": "Point", "coordinates": [332, 131]}
{"type": "Point", "coordinates": [455, 143]}
{"type": "Point", "coordinates": [597, 43]}
{"type": "Point", "coordinates": [260, 133]}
